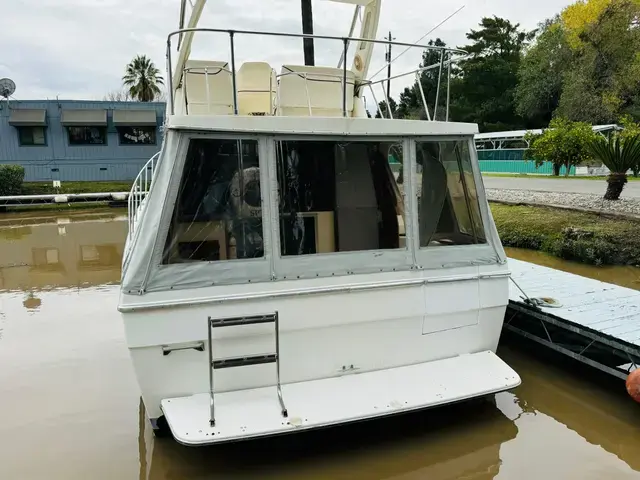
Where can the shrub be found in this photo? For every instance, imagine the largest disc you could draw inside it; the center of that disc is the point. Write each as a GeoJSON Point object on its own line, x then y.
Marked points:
{"type": "Point", "coordinates": [594, 251]}
{"type": "Point", "coordinates": [11, 178]}
{"type": "Point", "coordinates": [578, 236]}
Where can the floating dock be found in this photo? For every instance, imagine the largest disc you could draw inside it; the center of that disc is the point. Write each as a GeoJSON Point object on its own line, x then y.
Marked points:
{"type": "Point", "coordinates": [590, 321]}
{"type": "Point", "coordinates": [119, 198]}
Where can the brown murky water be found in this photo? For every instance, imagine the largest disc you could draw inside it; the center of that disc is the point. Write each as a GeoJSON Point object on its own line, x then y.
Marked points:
{"type": "Point", "coordinates": [626, 276]}
{"type": "Point", "coordinates": [69, 405]}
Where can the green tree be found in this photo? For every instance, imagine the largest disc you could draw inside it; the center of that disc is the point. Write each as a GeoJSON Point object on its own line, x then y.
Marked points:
{"type": "Point", "coordinates": [142, 79]}
{"type": "Point", "coordinates": [540, 76]}
{"type": "Point", "coordinates": [484, 91]}
{"type": "Point", "coordinates": [411, 104]}
{"type": "Point", "coordinates": [630, 129]}
{"type": "Point", "coordinates": [602, 80]}
{"type": "Point", "coordinates": [382, 107]}
{"type": "Point", "coordinates": [619, 154]}
{"type": "Point", "coordinates": [564, 143]}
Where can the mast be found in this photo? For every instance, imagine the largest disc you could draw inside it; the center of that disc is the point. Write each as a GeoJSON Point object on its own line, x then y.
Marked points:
{"type": "Point", "coordinates": [388, 58]}
{"type": "Point", "coordinates": [307, 29]}
{"type": "Point", "coordinates": [184, 43]}
{"type": "Point", "coordinates": [369, 30]}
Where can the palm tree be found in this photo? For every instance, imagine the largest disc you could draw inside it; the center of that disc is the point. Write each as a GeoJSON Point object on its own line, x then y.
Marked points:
{"type": "Point", "coordinates": [142, 79]}
{"type": "Point", "coordinates": [619, 156]}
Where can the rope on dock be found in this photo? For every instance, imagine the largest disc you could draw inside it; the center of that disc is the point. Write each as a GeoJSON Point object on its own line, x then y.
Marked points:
{"type": "Point", "coordinates": [536, 302]}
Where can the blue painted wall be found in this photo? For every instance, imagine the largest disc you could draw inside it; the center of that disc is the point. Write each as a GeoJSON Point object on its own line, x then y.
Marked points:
{"type": "Point", "coordinates": [76, 163]}
{"type": "Point", "coordinates": [512, 161]}
{"type": "Point", "coordinates": [520, 166]}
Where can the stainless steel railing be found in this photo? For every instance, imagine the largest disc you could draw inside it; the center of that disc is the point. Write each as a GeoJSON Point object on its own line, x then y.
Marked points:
{"type": "Point", "coordinates": [417, 73]}
{"type": "Point", "coordinates": [140, 190]}
{"type": "Point", "coordinates": [446, 58]}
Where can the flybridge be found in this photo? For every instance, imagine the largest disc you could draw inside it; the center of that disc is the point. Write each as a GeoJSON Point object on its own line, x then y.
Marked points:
{"type": "Point", "coordinates": [218, 84]}
{"type": "Point", "coordinates": [214, 87]}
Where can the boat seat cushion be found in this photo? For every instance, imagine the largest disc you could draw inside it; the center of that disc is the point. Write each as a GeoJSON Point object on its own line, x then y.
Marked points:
{"type": "Point", "coordinates": [256, 83]}
{"type": "Point", "coordinates": [313, 91]}
{"type": "Point", "coordinates": [209, 88]}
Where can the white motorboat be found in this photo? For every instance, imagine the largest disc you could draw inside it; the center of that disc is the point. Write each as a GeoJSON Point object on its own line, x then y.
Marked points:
{"type": "Point", "coordinates": [277, 278]}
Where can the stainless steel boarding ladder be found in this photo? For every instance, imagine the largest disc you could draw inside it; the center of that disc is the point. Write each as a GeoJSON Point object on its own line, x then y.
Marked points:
{"type": "Point", "coordinates": [243, 361]}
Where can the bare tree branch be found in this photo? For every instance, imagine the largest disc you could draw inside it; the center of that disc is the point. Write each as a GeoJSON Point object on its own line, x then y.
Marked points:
{"type": "Point", "coordinates": [118, 96]}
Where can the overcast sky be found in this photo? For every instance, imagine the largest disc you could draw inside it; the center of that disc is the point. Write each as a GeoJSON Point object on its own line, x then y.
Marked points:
{"type": "Point", "coordinates": [77, 49]}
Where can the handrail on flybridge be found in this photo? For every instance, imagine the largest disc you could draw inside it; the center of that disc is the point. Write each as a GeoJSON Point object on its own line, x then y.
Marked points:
{"type": "Point", "coordinates": [446, 59]}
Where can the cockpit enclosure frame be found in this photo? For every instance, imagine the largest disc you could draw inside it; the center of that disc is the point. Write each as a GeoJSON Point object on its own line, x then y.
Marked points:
{"type": "Point", "coordinates": [144, 270]}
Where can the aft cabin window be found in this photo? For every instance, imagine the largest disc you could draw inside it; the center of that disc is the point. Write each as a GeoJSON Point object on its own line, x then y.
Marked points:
{"type": "Point", "coordinates": [338, 196]}
{"type": "Point", "coordinates": [448, 206]}
{"type": "Point", "coordinates": [218, 211]}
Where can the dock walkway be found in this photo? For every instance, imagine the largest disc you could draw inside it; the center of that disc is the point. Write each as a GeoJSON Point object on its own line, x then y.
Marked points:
{"type": "Point", "coordinates": [62, 198]}
{"type": "Point", "coordinates": [591, 321]}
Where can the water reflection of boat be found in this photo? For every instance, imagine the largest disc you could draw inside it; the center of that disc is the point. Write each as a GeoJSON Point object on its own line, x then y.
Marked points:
{"type": "Point", "coordinates": [55, 251]}
{"type": "Point", "coordinates": [459, 442]}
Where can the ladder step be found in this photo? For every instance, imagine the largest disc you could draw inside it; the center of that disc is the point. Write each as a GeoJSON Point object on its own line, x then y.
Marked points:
{"type": "Point", "coordinates": [244, 361]}
{"type": "Point", "coordinates": [231, 322]}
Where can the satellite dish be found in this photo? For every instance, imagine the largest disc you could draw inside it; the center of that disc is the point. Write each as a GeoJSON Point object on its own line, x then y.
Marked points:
{"type": "Point", "coordinates": [7, 87]}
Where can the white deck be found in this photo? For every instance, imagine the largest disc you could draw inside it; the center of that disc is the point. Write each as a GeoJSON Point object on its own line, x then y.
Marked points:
{"type": "Point", "coordinates": [254, 413]}
{"type": "Point", "coordinates": [606, 308]}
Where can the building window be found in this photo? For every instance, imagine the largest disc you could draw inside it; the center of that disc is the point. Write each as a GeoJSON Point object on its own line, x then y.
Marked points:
{"type": "Point", "coordinates": [88, 135]}
{"type": "Point", "coordinates": [46, 259]}
{"type": "Point", "coordinates": [448, 206]}
{"type": "Point", "coordinates": [143, 135]}
{"type": "Point", "coordinates": [218, 212]}
{"type": "Point", "coordinates": [31, 136]}
{"type": "Point", "coordinates": [99, 256]}
{"type": "Point", "coordinates": [338, 196]}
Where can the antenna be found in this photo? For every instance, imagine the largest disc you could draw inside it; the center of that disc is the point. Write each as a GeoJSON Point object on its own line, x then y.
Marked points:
{"type": "Point", "coordinates": [7, 87]}
{"type": "Point", "coordinates": [419, 40]}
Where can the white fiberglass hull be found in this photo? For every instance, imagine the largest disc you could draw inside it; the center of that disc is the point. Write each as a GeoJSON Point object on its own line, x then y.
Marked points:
{"type": "Point", "coordinates": [408, 342]}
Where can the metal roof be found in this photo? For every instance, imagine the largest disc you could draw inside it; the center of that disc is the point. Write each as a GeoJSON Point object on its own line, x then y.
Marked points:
{"type": "Point", "coordinates": [519, 134]}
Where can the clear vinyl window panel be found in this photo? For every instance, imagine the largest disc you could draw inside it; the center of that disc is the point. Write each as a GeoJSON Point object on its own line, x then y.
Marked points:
{"type": "Point", "coordinates": [338, 196]}
{"type": "Point", "coordinates": [218, 211]}
{"type": "Point", "coordinates": [448, 205]}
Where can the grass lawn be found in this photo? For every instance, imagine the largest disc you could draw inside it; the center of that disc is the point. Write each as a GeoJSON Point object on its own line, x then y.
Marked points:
{"type": "Point", "coordinates": [45, 188]}
{"type": "Point", "coordinates": [578, 236]}
{"type": "Point", "coordinates": [631, 178]}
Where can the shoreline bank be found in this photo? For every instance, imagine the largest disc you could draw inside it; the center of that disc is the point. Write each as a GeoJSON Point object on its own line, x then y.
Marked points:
{"type": "Point", "coordinates": [570, 235]}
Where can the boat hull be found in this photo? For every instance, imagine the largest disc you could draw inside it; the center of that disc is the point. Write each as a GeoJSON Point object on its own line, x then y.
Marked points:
{"type": "Point", "coordinates": [328, 330]}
